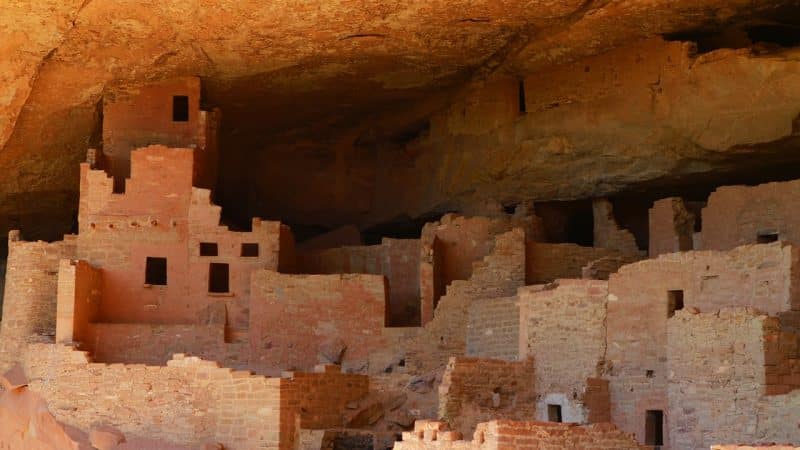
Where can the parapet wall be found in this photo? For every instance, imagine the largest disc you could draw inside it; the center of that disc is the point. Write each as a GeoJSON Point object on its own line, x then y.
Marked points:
{"type": "Point", "coordinates": [508, 435]}
{"type": "Point", "coordinates": [189, 401]}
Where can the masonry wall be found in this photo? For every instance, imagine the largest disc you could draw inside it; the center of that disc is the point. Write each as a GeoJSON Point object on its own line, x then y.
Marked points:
{"type": "Point", "coordinates": [475, 390]}
{"type": "Point", "coordinates": [451, 248]}
{"type": "Point", "coordinates": [758, 276]}
{"type": "Point", "coordinates": [736, 215]}
{"type": "Point", "coordinates": [188, 401]}
{"type": "Point", "coordinates": [546, 262]}
{"type": "Point", "coordinates": [138, 116]}
{"type": "Point", "coordinates": [397, 259]}
{"type": "Point", "coordinates": [78, 300]}
{"type": "Point", "coordinates": [508, 435]}
{"type": "Point", "coordinates": [562, 326]}
{"type": "Point", "coordinates": [498, 275]}
{"type": "Point", "coordinates": [493, 328]}
{"type": "Point", "coordinates": [161, 215]}
{"type": "Point", "coordinates": [608, 234]}
{"type": "Point", "coordinates": [671, 227]}
{"type": "Point", "coordinates": [295, 317]}
{"type": "Point", "coordinates": [719, 377]}
{"type": "Point", "coordinates": [29, 303]}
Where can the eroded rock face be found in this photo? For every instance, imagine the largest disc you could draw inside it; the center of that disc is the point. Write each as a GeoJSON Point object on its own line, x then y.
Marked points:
{"type": "Point", "coordinates": [300, 83]}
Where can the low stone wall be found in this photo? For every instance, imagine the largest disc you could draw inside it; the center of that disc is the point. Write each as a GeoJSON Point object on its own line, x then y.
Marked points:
{"type": "Point", "coordinates": [189, 401]}
{"type": "Point", "coordinates": [508, 435]}
{"type": "Point", "coordinates": [474, 390]}
{"type": "Point", "coordinates": [547, 262]}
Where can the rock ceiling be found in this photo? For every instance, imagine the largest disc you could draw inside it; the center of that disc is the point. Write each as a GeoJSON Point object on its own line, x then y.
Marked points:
{"type": "Point", "coordinates": [282, 65]}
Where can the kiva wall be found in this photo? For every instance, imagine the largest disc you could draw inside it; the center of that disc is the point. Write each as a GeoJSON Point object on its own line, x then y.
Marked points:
{"type": "Point", "coordinates": [508, 435]}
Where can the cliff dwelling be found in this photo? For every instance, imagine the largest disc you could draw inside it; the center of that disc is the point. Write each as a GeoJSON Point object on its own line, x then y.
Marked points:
{"type": "Point", "coordinates": [420, 225]}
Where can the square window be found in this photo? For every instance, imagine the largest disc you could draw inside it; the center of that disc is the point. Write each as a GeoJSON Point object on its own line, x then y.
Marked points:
{"type": "Point", "coordinates": [208, 249]}
{"type": "Point", "coordinates": [180, 108]}
{"type": "Point", "coordinates": [554, 413]}
{"type": "Point", "coordinates": [250, 250]}
{"type": "Point", "coordinates": [675, 302]}
{"type": "Point", "coordinates": [155, 271]}
{"type": "Point", "coordinates": [218, 278]}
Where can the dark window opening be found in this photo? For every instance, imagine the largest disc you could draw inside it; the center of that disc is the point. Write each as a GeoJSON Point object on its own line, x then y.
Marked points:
{"type": "Point", "coordinates": [580, 229]}
{"type": "Point", "coordinates": [250, 250]}
{"type": "Point", "coordinates": [675, 302]}
{"type": "Point", "coordinates": [180, 108]}
{"type": "Point", "coordinates": [654, 427]}
{"type": "Point", "coordinates": [521, 97]}
{"type": "Point", "coordinates": [208, 249]}
{"type": "Point", "coordinates": [119, 185]}
{"type": "Point", "coordinates": [554, 413]}
{"type": "Point", "coordinates": [783, 35]}
{"type": "Point", "coordinates": [765, 237]}
{"type": "Point", "coordinates": [649, 374]}
{"type": "Point", "coordinates": [155, 271]}
{"type": "Point", "coordinates": [218, 278]}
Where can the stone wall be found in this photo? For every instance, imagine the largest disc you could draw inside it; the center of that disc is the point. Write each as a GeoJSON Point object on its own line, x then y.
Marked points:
{"type": "Point", "coordinates": [608, 234]}
{"type": "Point", "coordinates": [562, 326]}
{"type": "Point", "coordinates": [638, 309]}
{"type": "Point", "coordinates": [396, 259]}
{"type": "Point", "coordinates": [78, 300]}
{"type": "Point", "coordinates": [295, 318]}
{"type": "Point", "coordinates": [546, 262]}
{"type": "Point", "coordinates": [720, 370]}
{"type": "Point", "coordinates": [29, 304]}
{"type": "Point", "coordinates": [499, 274]}
{"type": "Point", "coordinates": [189, 401]}
{"type": "Point", "coordinates": [162, 215]}
{"type": "Point", "coordinates": [508, 435]}
{"type": "Point", "coordinates": [738, 215]}
{"type": "Point", "coordinates": [475, 390]}
{"type": "Point", "coordinates": [493, 328]}
{"type": "Point", "coordinates": [671, 227]}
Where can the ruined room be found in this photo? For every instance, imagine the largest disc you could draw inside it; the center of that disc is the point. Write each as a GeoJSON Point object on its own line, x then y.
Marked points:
{"type": "Point", "coordinates": [410, 225]}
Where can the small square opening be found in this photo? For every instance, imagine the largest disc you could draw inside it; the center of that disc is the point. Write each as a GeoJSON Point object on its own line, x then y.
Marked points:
{"type": "Point", "coordinates": [208, 249]}
{"type": "Point", "coordinates": [218, 278]}
{"type": "Point", "coordinates": [675, 302]}
{"type": "Point", "coordinates": [155, 271]}
{"type": "Point", "coordinates": [766, 237]}
{"type": "Point", "coordinates": [250, 250]}
{"type": "Point", "coordinates": [554, 413]}
{"type": "Point", "coordinates": [180, 108]}
{"type": "Point", "coordinates": [654, 427]}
